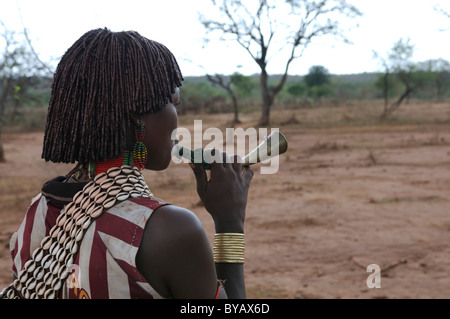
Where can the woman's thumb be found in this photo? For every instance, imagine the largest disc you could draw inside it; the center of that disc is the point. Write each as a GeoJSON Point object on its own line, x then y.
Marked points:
{"type": "Point", "coordinates": [200, 176]}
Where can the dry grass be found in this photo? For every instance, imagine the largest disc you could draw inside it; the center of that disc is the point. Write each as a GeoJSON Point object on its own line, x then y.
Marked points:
{"type": "Point", "coordinates": [363, 114]}
{"type": "Point", "coordinates": [351, 114]}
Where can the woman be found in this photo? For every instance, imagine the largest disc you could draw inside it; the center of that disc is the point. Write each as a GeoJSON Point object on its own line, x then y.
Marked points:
{"type": "Point", "coordinates": [99, 232]}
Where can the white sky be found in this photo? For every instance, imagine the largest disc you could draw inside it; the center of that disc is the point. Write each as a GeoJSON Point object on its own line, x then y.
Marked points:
{"type": "Point", "coordinates": [55, 24]}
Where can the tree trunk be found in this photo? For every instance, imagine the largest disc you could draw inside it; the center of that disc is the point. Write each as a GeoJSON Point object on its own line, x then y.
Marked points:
{"type": "Point", "coordinates": [386, 90]}
{"type": "Point", "coordinates": [391, 109]}
{"type": "Point", "coordinates": [235, 108]}
{"type": "Point", "coordinates": [439, 91]}
{"type": "Point", "coordinates": [4, 96]}
{"type": "Point", "coordinates": [267, 101]}
{"type": "Point", "coordinates": [3, 99]}
{"type": "Point", "coordinates": [2, 154]}
{"type": "Point", "coordinates": [235, 104]}
{"type": "Point", "coordinates": [218, 79]}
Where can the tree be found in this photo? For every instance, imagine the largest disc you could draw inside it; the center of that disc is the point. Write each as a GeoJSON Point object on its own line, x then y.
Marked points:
{"type": "Point", "coordinates": [445, 13]}
{"type": "Point", "coordinates": [18, 65]}
{"type": "Point", "coordinates": [317, 76]}
{"type": "Point", "coordinates": [197, 96]}
{"type": "Point", "coordinates": [296, 90]}
{"type": "Point", "coordinates": [399, 63]}
{"type": "Point", "coordinates": [438, 77]}
{"type": "Point", "coordinates": [235, 85]}
{"type": "Point", "coordinates": [243, 84]}
{"type": "Point", "coordinates": [317, 81]}
{"type": "Point", "coordinates": [226, 85]}
{"type": "Point", "coordinates": [265, 28]}
{"type": "Point", "coordinates": [442, 80]}
{"type": "Point", "coordinates": [385, 82]}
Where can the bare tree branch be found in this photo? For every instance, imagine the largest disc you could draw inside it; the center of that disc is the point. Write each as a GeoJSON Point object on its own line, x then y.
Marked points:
{"type": "Point", "coordinates": [25, 32]}
{"type": "Point", "coordinates": [253, 29]}
{"type": "Point", "coordinates": [219, 80]}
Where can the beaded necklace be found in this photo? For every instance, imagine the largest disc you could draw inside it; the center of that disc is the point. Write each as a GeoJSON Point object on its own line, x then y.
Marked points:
{"type": "Point", "coordinates": [135, 158]}
{"type": "Point", "coordinates": [96, 168]}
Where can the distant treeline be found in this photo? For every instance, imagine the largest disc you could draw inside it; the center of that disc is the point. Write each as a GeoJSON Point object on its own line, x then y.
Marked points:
{"type": "Point", "coordinates": [200, 95]}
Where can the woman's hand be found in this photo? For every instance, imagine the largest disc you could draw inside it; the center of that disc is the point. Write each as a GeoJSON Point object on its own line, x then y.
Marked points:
{"type": "Point", "coordinates": [225, 193]}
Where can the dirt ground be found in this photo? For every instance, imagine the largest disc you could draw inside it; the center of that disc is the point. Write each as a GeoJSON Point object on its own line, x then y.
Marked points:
{"type": "Point", "coordinates": [343, 199]}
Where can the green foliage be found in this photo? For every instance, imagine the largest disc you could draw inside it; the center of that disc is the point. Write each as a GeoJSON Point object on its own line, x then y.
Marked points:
{"type": "Point", "coordinates": [317, 76]}
{"type": "Point", "coordinates": [402, 78]}
{"type": "Point", "coordinates": [401, 55]}
{"type": "Point", "coordinates": [196, 96]}
{"type": "Point", "coordinates": [200, 96]}
{"type": "Point", "coordinates": [320, 91]}
{"type": "Point", "coordinates": [244, 85]}
{"type": "Point", "coordinates": [437, 78]}
{"type": "Point", "coordinates": [318, 82]}
{"type": "Point", "coordinates": [296, 90]}
{"type": "Point", "coordinates": [393, 84]}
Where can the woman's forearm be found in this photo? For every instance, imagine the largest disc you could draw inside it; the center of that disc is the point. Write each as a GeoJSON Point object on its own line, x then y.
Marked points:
{"type": "Point", "coordinates": [232, 278]}
{"type": "Point", "coordinates": [231, 273]}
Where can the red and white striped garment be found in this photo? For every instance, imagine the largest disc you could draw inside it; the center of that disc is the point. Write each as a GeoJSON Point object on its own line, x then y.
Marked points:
{"type": "Point", "coordinates": [105, 267]}
{"type": "Point", "coordinates": [39, 219]}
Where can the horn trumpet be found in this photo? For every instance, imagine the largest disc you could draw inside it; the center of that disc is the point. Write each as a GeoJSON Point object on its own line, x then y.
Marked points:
{"type": "Point", "coordinates": [273, 145]}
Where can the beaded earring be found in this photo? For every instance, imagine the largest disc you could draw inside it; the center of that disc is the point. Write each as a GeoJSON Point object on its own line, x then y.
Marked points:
{"type": "Point", "coordinates": [139, 150]}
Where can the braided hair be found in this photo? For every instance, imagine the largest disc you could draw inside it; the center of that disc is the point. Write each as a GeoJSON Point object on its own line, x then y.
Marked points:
{"type": "Point", "coordinates": [100, 81]}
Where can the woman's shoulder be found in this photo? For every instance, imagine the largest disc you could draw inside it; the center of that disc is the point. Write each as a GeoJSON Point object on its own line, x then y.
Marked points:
{"type": "Point", "coordinates": [167, 215]}
{"type": "Point", "coordinates": [174, 240]}
{"type": "Point", "coordinates": [171, 225]}
{"type": "Point", "coordinates": [176, 219]}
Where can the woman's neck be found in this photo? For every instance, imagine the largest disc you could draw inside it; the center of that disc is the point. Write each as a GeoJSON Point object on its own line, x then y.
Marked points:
{"type": "Point", "coordinates": [99, 167]}
{"type": "Point", "coordinates": [87, 172]}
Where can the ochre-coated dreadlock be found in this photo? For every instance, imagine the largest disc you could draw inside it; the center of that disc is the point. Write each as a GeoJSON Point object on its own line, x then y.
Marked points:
{"type": "Point", "coordinates": [103, 78]}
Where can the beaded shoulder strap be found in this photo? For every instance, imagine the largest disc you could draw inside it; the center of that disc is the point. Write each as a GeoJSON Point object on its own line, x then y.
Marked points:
{"type": "Point", "coordinates": [43, 276]}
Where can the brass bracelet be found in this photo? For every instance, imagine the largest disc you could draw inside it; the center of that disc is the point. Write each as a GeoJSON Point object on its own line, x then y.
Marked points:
{"type": "Point", "coordinates": [229, 248]}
